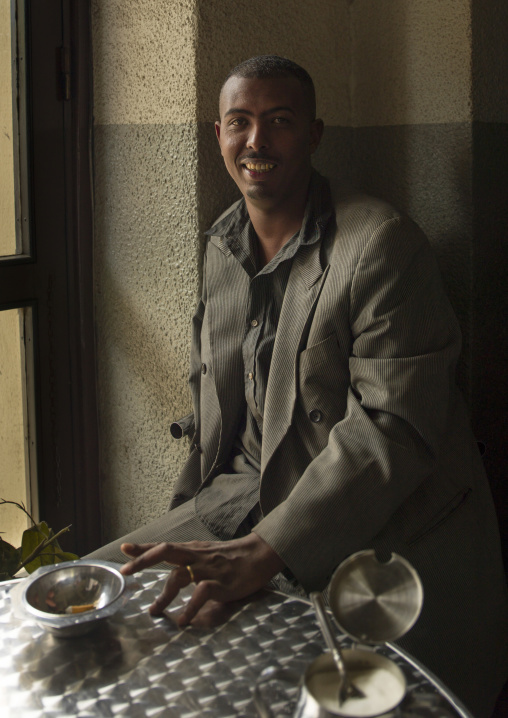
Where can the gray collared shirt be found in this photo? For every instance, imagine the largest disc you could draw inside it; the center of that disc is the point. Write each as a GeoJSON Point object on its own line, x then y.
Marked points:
{"type": "Point", "coordinates": [227, 500]}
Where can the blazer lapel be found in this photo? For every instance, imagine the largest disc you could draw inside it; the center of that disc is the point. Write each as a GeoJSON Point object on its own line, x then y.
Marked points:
{"type": "Point", "coordinates": [302, 292]}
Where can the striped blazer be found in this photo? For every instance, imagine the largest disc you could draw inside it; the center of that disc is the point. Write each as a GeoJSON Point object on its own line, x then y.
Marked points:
{"type": "Point", "coordinates": [366, 442]}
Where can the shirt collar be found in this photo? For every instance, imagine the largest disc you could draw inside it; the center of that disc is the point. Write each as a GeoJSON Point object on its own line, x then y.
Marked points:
{"type": "Point", "coordinates": [318, 211]}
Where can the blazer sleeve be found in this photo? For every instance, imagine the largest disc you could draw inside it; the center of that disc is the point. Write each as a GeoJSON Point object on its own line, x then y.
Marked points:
{"type": "Point", "coordinates": [404, 346]}
{"type": "Point", "coordinates": [189, 478]}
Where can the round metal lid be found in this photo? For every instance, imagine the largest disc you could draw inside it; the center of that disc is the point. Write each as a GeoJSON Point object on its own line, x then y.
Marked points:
{"type": "Point", "coordinates": [375, 602]}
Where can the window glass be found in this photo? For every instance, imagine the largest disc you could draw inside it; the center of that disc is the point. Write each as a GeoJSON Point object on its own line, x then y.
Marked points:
{"type": "Point", "coordinates": [15, 440]}
{"type": "Point", "coordinates": [7, 185]}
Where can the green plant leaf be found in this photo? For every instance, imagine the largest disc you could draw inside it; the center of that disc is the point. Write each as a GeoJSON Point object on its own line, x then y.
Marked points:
{"type": "Point", "coordinates": [32, 538]}
{"type": "Point", "coordinates": [10, 559]}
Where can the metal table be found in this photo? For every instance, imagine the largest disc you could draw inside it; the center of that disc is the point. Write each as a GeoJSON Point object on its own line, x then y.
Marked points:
{"type": "Point", "coordinates": [138, 666]}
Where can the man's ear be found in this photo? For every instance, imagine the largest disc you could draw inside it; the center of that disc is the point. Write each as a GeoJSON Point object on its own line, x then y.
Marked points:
{"type": "Point", "coordinates": [217, 130]}
{"type": "Point", "coordinates": [316, 132]}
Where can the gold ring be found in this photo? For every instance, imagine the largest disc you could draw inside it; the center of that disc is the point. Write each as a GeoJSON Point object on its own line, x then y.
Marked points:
{"type": "Point", "coordinates": [191, 574]}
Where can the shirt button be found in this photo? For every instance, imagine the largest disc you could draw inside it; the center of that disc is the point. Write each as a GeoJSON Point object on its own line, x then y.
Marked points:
{"type": "Point", "coordinates": [203, 368]}
{"type": "Point", "coordinates": [254, 323]}
{"type": "Point", "coordinates": [250, 375]}
{"type": "Point", "coordinates": [315, 416]}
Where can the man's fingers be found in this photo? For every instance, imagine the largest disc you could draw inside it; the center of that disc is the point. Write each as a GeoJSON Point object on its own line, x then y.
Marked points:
{"type": "Point", "coordinates": [203, 592]}
{"type": "Point", "coordinates": [177, 579]}
{"type": "Point", "coordinates": [223, 571]}
{"type": "Point", "coordinates": [145, 555]}
{"type": "Point", "coordinates": [142, 557]}
{"type": "Point", "coordinates": [135, 549]}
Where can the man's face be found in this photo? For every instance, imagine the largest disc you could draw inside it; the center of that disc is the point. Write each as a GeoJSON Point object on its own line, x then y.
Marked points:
{"type": "Point", "coordinates": [267, 136]}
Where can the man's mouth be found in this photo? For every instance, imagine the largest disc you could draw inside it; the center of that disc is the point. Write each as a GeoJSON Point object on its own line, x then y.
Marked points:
{"type": "Point", "coordinates": [259, 166]}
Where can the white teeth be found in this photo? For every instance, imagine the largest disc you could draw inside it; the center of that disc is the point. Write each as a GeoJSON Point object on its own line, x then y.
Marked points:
{"type": "Point", "coordinates": [259, 166]}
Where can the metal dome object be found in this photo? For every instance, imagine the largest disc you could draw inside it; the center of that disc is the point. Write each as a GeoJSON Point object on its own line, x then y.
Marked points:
{"type": "Point", "coordinates": [374, 601]}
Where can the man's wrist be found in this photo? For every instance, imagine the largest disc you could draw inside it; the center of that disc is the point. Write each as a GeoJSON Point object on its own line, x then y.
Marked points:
{"type": "Point", "coordinates": [264, 554]}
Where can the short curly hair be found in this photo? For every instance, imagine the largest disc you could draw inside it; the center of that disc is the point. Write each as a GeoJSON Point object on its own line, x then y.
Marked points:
{"type": "Point", "coordinates": [274, 66]}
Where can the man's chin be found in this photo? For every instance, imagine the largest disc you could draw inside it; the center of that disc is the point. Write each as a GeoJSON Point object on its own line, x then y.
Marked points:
{"type": "Point", "coordinates": [258, 192]}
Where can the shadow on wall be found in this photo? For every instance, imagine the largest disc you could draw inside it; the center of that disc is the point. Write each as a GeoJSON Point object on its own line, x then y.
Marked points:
{"type": "Point", "coordinates": [143, 385]}
{"type": "Point", "coordinates": [148, 354]}
{"type": "Point", "coordinates": [216, 191]}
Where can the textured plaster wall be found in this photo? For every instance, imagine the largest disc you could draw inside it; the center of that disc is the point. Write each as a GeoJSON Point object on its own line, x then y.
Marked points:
{"type": "Point", "coordinates": [411, 61]}
{"type": "Point", "coordinates": [146, 247]}
{"type": "Point", "coordinates": [490, 61]}
{"type": "Point", "coordinates": [144, 58]}
{"type": "Point", "coordinates": [313, 34]}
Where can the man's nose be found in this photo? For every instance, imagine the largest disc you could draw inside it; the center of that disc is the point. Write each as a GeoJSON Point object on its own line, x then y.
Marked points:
{"type": "Point", "coordinates": [258, 137]}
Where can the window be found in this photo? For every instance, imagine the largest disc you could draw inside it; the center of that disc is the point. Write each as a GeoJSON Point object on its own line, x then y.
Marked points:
{"type": "Point", "coordinates": [46, 292]}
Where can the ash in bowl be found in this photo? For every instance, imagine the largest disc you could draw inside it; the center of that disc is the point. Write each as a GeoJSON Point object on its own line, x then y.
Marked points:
{"type": "Point", "coordinates": [71, 598]}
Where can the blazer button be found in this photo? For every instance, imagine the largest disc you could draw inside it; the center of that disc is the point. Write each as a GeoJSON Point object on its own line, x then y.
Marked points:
{"type": "Point", "coordinates": [315, 416]}
{"type": "Point", "coordinates": [203, 368]}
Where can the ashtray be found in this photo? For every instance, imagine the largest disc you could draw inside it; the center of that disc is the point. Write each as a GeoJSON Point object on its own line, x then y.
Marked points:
{"type": "Point", "coordinates": [70, 598]}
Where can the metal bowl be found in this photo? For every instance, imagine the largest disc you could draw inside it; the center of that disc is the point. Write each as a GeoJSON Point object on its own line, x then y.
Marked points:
{"type": "Point", "coordinates": [375, 602]}
{"type": "Point", "coordinates": [72, 598]}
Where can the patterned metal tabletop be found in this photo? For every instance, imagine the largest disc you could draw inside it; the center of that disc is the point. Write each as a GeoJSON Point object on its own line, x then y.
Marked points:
{"type": "Point", "coordinates": [138, 666]}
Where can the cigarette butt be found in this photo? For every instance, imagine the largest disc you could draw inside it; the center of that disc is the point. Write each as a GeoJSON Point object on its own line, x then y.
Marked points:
{"type": "Point", "coordinates": [80, 609]}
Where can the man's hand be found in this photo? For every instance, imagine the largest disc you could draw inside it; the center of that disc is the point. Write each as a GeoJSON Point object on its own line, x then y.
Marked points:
{"type": "Point", "coordinates": [222, 570]}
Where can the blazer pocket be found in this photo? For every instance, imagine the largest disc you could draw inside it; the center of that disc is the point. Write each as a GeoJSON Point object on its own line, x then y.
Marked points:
{"type": "Point", "coordinates": [442, 516]}
{"type": "Point", "coordinates": [322, 385]}
{"type": "Point", "coordinates": [320, 353]}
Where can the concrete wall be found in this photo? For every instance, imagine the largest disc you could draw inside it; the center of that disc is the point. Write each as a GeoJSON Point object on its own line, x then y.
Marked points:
{"type": "Point", "coordinates": [146, 251]}
{"type": "Point", "coordinates": [395, 87]}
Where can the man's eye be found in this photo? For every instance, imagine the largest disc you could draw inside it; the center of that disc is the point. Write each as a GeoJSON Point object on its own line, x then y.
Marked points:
{"type": "Point", "coordinates": [280, 120]}
{"type": "Point", "coordinates": [237, 121]}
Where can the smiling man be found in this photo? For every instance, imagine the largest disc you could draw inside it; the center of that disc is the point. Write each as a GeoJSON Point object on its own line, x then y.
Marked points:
{"type": "Point", "coordinates": [326, 419]}
{"type": "Point", "coordinates": [267, 134]}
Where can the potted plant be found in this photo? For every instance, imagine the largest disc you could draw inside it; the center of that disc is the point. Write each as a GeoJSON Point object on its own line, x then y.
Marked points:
{"type": "Point", "coordinates": [39, 547]}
